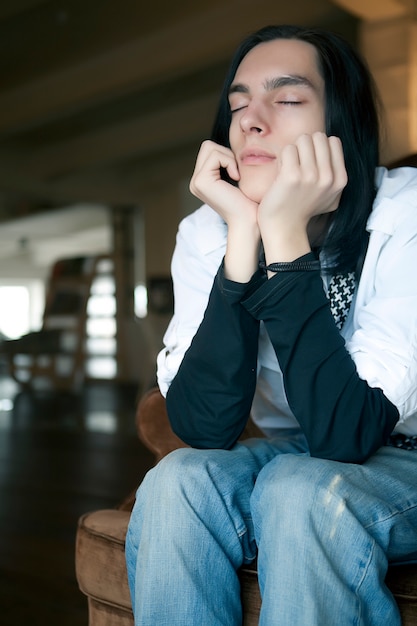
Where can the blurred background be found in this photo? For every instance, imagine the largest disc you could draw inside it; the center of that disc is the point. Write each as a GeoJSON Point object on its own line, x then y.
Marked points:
{"type": "Point", "coordinates": [103, 106]}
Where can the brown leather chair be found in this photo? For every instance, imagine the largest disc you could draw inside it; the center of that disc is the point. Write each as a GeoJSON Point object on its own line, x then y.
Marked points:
{"type": "Point", "coordinates": [100, 559]}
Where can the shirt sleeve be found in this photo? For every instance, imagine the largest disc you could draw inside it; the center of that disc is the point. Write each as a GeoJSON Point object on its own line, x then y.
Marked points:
{"type": "Point", "coordinates": [210, 398]}
{"type": "Point", "coordinates": [384, 342]}
{"type": "Point", "coordinates": [200, 247]}
{"type": "Point", "coordinates": [342, 417]}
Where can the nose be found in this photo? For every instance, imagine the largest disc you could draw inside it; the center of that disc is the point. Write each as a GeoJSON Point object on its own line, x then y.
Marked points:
{"type": "Point", "coordinates": [254, 119]}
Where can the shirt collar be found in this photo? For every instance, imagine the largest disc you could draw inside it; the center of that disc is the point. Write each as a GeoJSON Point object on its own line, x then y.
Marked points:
{"type": "Point", "coordinates": [388, 206]}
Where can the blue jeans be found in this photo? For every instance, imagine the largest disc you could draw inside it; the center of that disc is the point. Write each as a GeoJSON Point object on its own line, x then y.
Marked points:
{"type": "Point", "coordinates": [323, 531]}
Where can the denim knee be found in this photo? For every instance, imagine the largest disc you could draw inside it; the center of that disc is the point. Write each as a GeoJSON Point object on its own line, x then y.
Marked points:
{"type": "Point", "coordinates": [171, 476]}
{"type": "Point", "coordinates": [185, 466]}
{"type": "Point", "coordinates": [296, 485]}
{"type": "Point", "coordinates": [321, 534]}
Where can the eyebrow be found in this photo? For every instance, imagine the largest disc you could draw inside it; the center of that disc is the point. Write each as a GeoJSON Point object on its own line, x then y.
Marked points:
{"type": "Point", "coordinates": [275, 83]}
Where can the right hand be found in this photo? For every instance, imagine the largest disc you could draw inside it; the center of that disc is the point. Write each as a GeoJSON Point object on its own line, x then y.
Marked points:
{"type": "Point", "coordinates": [207, 184]}
{"type": "Point", "coordinates": [236, 209]}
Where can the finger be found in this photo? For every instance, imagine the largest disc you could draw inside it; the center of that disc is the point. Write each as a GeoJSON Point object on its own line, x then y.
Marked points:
{"type": "Point", "coordinates": [338, 161]}
{"type": "Point", "coordinates": [207, 173]}
{"type": "Point", "coordinates": [322, 156]}
{"type": "Point", "coordinates": [290, 160]}
{"type": "Point", "coordinates": [330, 161]}
{"type": "Point", "coordinates": [310, 156]}
{"type": "Point", "coordinates": [212, 157]}
{"type": "Point", "coordinates": [339, 174]}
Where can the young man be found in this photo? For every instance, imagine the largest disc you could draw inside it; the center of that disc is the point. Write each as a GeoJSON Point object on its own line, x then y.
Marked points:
{"type": "Point", "coordinates": [296, 216]}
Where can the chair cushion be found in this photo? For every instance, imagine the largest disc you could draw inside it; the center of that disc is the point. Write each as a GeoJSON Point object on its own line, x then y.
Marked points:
{"type": "Point", "coordinates": [101, 614]}
{"type": "Point", "coordinates": [101, 574]}
{"type": "Point", "coordinates": [100, 557]}
{"type": "Point", "coordinates": [401, 580]}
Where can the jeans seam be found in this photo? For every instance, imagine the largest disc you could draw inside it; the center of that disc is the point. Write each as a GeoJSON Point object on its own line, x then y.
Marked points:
{"type": "Point", "coordinates": [360, 582]}
{"type": "Point", "coordinates": [391, 516]}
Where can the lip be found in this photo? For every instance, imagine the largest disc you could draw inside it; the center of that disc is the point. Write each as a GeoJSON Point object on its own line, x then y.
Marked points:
{"type": "Point", "coordinates": [255, 156]}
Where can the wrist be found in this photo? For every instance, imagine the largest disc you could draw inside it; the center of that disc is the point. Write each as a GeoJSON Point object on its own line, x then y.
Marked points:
{"type": "Point", "coordinates": [306, 263]}
{"type": "Point", "coordinates": [242, 253]}
{"type": "Point", "coordinates": [284, 241]}
{"type": "Point", "coordinates": [285, 248]}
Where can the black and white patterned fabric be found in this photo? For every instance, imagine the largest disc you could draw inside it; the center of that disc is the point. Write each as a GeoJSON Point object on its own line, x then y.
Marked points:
{"type": "Point", "coordinates": [340, 294]}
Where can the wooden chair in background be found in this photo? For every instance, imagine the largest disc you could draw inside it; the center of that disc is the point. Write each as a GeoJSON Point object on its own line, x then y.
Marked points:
{"type": "Point", "coordinates": [56, 352]}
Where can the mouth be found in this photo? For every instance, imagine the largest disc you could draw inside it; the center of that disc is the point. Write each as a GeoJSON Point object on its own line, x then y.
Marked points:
{"type": "Point", "coordinates": [255, 156]}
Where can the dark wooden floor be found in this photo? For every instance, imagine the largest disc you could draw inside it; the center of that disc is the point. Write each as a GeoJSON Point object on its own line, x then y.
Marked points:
{"type": "Point", "coordinates": [60, 456]}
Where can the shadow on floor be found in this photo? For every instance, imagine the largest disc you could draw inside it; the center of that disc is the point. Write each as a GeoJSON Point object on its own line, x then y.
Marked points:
{"type": "Point", "coordinates": [61, 455]}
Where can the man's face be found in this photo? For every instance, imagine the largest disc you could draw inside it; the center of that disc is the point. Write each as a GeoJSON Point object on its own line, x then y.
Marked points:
{"type": "Point", "coordinates": [276, 96]}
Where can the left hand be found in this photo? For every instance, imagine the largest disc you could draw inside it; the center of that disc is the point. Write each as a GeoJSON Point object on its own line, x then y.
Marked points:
{"type": "Point", "coordinates": [309, 183]}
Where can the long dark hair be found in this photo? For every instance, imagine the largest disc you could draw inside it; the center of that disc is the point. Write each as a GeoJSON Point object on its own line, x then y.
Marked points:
{"type": "Point", "coordinates": [351, 114]}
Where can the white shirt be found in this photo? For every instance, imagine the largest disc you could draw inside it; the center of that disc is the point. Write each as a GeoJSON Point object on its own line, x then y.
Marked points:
{"type": "Point", "coordinates": [380, 331]}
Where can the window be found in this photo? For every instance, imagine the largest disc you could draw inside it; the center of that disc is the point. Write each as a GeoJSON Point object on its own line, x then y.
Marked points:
{"type": "Point", "coordinates": [22, 303]}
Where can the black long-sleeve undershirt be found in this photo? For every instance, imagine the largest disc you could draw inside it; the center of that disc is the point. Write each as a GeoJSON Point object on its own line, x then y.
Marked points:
{"type": "Point", "coordinates": [210, 398]}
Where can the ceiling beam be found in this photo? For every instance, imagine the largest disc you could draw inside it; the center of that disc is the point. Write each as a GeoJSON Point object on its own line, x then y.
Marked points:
{"type": "Point", "coordinates": [373, 10]}
{"type": "Point", "coordinates": [143, 136]}
{"type": "Point", "coordinates": [107, 184]}
{"type": "Point", "coordinates": [173, 50]}
{"type": "Point", "coordinates": [14, 7]}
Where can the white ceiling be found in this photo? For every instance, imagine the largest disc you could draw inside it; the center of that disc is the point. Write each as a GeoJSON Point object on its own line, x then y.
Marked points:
{"type": "Point", "coordinates": [30, 245]}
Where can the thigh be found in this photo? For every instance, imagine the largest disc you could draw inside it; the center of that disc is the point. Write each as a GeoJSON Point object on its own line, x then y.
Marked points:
{"type": "Point", "coordinates": [387, 500]}
{"type": "Point", "coordinates": [212, 486]}
{"type": "Point", "coordinates": [381, 493]}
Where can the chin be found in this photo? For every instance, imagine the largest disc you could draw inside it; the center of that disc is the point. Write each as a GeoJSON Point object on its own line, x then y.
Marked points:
{"type": "Point", "coordinates": [253, 192]}
{"type": "Point", "coordinates": [257, 184]}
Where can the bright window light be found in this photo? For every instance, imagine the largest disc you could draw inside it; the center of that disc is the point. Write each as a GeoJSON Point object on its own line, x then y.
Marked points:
{"type": "Point", "coordinates": [141, 301]}
{"type": "Point", "coordinates": [14, 311]}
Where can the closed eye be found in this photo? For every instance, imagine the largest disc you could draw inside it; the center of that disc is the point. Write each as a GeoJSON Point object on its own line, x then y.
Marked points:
{"type": "Point", "coordinates": [285, 102]}
{"type": "Point", "coordinates": [238, 109]}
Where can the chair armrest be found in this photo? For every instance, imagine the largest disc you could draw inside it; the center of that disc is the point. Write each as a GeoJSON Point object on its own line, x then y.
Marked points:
{"type": "Point", "coordinates": [154, 428]}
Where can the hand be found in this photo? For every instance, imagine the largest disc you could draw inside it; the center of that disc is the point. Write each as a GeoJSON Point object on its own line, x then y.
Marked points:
{"type": "Point", "coordinates": [310, 182]}
{"type": "Point", "coordinates": [237, 210]}
{"type": "Point", "coordinates": [208, 185]}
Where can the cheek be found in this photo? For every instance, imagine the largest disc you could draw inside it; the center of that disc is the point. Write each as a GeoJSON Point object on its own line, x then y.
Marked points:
{"type": "Point", "coordinates": [256, 181]}
{"type": "Point", "coordinates": [252, 190]}
{"type": "Point", "coordinates": [233, 137]}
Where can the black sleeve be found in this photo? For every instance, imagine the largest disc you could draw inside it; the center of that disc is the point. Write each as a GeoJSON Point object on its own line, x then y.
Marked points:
{"type": "Point", "coordinates": [342, 417]}
{"type": "Point", "coordinates": [210, 398]}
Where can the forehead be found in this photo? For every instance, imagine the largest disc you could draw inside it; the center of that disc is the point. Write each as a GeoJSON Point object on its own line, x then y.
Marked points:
{"type": "Point", "coordinates": [280, 57]}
